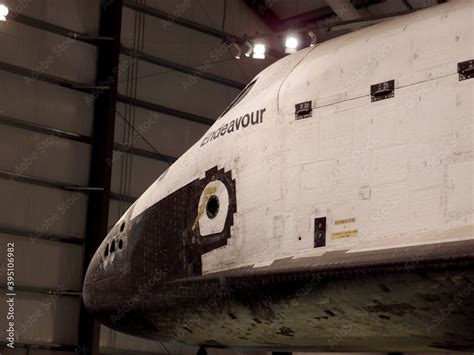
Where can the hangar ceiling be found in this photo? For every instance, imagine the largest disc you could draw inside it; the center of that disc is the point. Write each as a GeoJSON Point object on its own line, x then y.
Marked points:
{"type": "Point", "coordinates": [76, 152]}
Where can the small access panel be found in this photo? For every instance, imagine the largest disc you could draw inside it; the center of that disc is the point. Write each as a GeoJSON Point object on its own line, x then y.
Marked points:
{"type": "Point", "coordinates": [382, 91]}
{"type": "Point", "coordinates": [303, 110]}
{"type": "Point", "coordinates": [320, 232]}
{"type": "Point", "coordinates": [466, 70]}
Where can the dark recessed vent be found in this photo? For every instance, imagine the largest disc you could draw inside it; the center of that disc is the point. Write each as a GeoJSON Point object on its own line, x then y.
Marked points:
{"type": "Point", "coordinates": [303, 110]}
{"type": "Point", "coordinates": [320, 232]}
{"type": "Point", "coordinates": [466, 70]}
{"type": "Point", "coordinates": [382, 91]}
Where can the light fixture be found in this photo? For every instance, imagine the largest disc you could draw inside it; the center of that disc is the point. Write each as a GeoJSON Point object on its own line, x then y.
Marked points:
{"type": "Point", "coordinates": [3, 12]}
{"type": "Point", "coordinates": [291, 44]}
{"type": "Point", "coordinates": [248, 49]}
{"type": "Point", "coordinates": [236, 50]}
{"type": "Point", "coordinates": [259, 50]}
{"type": "Point", "coordinates": [314, 38]}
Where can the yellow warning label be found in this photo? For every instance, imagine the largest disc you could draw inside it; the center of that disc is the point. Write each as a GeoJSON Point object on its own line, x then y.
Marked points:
{"type": "Point", "coordinates": [344, 221]}
{"type": "Point", "coordinates": [345, 234]}
{"type": "Point", "coordinates": [210, 190]}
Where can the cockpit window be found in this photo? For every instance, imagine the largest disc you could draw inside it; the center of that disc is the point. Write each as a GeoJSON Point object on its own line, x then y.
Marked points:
{"type": "Point", "coordinates": [239, 97]}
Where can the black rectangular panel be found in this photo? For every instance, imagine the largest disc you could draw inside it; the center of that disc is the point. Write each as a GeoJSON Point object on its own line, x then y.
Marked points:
{"type": "Point", "coordinates": [466, 70]}
{"type": "Point", "coordinates": [320, 232]}
{"type": "Point", "coordinates": [303, 110]}
{"type": "Point", "coordinates": [382, 91]}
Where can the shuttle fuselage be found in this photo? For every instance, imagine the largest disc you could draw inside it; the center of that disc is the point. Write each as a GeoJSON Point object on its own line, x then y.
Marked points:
{"type": "Point", "coordinates": [329, 208]}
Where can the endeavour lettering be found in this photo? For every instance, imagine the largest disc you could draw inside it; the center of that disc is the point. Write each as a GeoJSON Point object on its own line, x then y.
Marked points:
{"type": "Point", "coordinates": [234, 125]}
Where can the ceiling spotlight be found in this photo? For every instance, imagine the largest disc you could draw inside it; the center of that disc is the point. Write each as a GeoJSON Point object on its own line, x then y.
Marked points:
{"type": "Point", "coordinates": [236, 50]}
{"type": "Point", "coordinates": [291, 44]}
{"type": "Point", "coordinates": [259, 50]}
{"type": "Point", "coordinates": [248, 48]}
{"type": "Point", "coordinates": [3, 12]}
{"type": "Point", "coordinates": [314, 38]}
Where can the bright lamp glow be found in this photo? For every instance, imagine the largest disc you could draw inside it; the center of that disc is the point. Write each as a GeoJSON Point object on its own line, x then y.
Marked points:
{"type": "Point", "coordinates": [291, 42]}
{"type": "Point", "coordinates": [259, 51]}
{"type": "Point", "coordinates": [3, 12]}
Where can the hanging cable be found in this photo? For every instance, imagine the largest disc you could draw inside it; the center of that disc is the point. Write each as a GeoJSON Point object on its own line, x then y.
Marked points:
{"type": "Point", "coordinates": [212, 24]}
{"type": "Point", "coordinates": [223, 16]}
{"type": "Point", "coordinates": [164, 158]}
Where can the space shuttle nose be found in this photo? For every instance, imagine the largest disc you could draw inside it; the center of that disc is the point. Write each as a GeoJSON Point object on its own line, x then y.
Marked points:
{"type": "Point", "coordinates": [86, 295]}
{"type": "Point", "coordinates": [105, 273]}
{"type": "Point", "coordinates": [89, 287]}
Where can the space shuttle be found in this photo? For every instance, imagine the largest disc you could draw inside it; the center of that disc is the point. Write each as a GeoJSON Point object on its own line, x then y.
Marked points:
{"type": "Point", "coordinates": [329, 208]}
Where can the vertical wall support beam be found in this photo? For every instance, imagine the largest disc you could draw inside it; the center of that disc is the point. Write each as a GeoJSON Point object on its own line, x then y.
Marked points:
{"type": "Point", "coordinates": [101, 157]}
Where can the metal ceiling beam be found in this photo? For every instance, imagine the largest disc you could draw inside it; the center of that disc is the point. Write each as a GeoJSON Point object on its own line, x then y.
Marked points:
{"type": "Point", "coordinates": [45, 290]}
{"type": "Point", "coordinates": [33, 180]}
{"type": "Point", "coordinates": [97, 41]}
{"type": "Point", "coordinates": [123, 198]}
{"type": "Point", "coordinates": [49, 27]}
{"type": "Point", "coordinates": [43, 236]}
{"type": "Point", "coordinates": [54, 132]}
{"type": "Point", "coordinates": [34, 127]}
{"type": "Point", "coordinates": [50, 79]}
{"type": "Point", "coordinates": [144, 153]}
{"type": "Point", "coordinates": [165, 110]}
{"type": "Point", "coordinates": [100, 175]}
{"type": "Point", "coordinates": [195, 26]}
{"type": "Point", "coordinates": [28, 73]}
{"type": "Point", "coordinates": [182, 69]}
{"type": "Point", "coordinates": [169, 18]}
